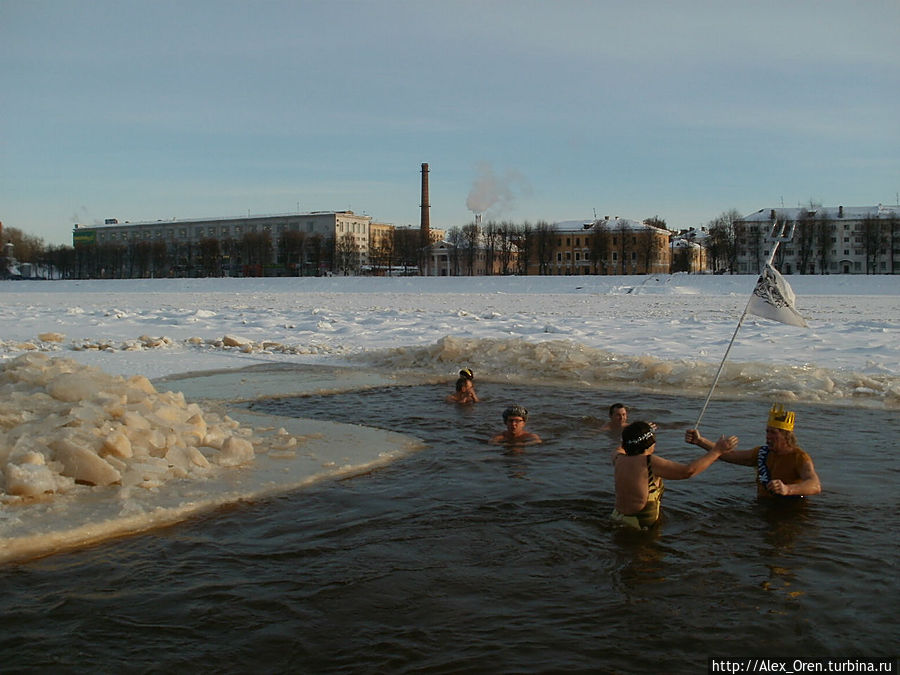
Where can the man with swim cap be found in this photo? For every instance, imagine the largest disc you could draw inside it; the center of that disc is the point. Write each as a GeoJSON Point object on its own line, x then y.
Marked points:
{"type": "Point", "coordinates": [515, 418]}
{"type": "Point", "coordinates": [782, 468]}
{"type": "Point", "coordinates": [639, 473]}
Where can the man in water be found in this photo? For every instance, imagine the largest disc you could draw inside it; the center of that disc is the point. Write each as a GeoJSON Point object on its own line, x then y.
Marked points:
{"type": "Point", "coordinates": [515, 418]}
{"type": "Point", "coordinates": [782, 468]}
{"type": "Point", "coordinates": [618, 419]}
{"type": "Point", "coordinates": [639, 473]}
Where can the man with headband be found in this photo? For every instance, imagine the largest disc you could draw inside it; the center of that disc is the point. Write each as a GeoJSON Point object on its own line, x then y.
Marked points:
{"type": "Point", "coordinates": [782, 468]}
{"type": "Point", "coordinates": [639, 473]}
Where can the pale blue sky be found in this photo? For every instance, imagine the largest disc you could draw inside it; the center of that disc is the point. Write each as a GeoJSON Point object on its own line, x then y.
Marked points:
{"type": "Point", "coordinates": [159, 110]}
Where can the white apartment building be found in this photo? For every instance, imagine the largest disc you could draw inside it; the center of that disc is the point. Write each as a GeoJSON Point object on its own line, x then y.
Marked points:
{"type": "Point", "coordinates": [331, 226]}
{"type": "Point", "coordinates": [827, 240]}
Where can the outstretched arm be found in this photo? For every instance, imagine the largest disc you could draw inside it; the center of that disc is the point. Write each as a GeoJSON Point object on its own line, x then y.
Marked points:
{"type": "Point", "coordinates": [678, 471]}
{"type": "Point", "coordinates": [744, 457]}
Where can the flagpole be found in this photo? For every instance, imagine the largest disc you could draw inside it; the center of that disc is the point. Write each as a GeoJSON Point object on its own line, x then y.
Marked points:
{"type": "Point", "coordinates": [777, 239]}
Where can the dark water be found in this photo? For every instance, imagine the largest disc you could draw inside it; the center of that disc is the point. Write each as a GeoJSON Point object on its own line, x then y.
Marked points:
{"type": "Point", "coordinates": [464, 559]}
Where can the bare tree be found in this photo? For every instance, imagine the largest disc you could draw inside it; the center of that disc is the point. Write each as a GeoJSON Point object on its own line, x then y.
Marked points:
{"type": "Point", "coordinates": [471, 237]}
{"type": "Point", "coordinates": [62, 260]}
{"type": "Point", "coordinates": [876, 240]}
{"type": "Point", "coordinates": [257, 249]}
{"type": "Point", "coordinates": [210, 257]}
{"type": "Point", "coordinates": [544, 245]}
{"type": "Point", "coordinates": [824, 240]}
{"type": "Point", "coordinates": [347, 254]}
{"type": "Point", "coordinates": [507, 238]}
{"type": "Point", "coordinates": [600, 248]}
{"type": "Point", "coordinates": [406, 246]}
{"type": "Point", "coordinates": [491, 239]}
{"type": "Point", "coordinates": [804, 239]}
{"type": "Point", "coordinates": [523, 238]}
{"type": "Point", "coordinates": [722, 246]}
{"type": "Point", "coordinates": [291, 245]}
{"type": "Point", "coordinates": [26, 248]}
{"type": "Point", "coordinates": [621, 234]}
{"type": "Point", "coordinates": [893, 227]}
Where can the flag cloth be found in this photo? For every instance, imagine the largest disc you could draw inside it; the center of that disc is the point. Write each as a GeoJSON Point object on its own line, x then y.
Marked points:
{"type": "Point", "coordinates": [773, 299]}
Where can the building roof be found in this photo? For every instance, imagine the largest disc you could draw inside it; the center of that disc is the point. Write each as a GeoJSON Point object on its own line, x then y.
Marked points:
{"type": "Point", "coordinates": [830, 212]}
{"type": "Point", "coordinates": [608, 222]}
{"type": "Point", "coordinates": [112, 223]}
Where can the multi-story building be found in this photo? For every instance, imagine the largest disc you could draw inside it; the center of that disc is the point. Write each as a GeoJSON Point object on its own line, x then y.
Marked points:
{"type": "Point", "coordinates": [827, 240]}
{"type": "Point", "coordinates": [308, 243]}
{"type": "Point", "coordinates": [605, 246]}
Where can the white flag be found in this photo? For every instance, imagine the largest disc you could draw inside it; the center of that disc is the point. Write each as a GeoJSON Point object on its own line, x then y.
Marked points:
{"type": "Point", "coordinates": [773, 299]}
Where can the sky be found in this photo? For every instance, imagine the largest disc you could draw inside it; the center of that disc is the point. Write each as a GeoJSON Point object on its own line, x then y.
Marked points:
{"type": "Point", "coordinates": [524, 111]}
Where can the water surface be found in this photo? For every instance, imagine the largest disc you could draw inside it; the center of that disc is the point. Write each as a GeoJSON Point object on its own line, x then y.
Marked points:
{"type": "Point", "coordinates": [466, 557]}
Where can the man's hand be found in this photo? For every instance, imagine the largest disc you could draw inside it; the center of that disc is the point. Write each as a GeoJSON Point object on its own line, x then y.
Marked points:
{"type": "Point", "coordinates": [778, 487]}
{"type": "Point", "coordinates": [725, 443]}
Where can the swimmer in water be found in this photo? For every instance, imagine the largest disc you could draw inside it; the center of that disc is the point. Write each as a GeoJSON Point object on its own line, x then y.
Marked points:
{"type": "Point", "coordinates": [782, 468]}
{"type": "Point", "coordinates": [465, 392]}
{"type": "Point", "coordinates": [515, 418]}
{"type": "Point", "coordinates": [639, 474]}
{"type": "Point", "coordinates": [618, 419]}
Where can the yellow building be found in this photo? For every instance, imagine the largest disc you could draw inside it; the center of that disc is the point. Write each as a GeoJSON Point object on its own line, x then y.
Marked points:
{"type": "Point", "coordinates": [604, 246]}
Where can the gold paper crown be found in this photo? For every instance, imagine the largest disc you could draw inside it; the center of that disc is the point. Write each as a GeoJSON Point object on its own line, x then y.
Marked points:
{"type": "Point", "coordinates": [779, 418]}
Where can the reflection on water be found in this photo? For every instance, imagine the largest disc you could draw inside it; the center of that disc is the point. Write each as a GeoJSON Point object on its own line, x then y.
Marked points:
{"type": "Point", "coordinates": [466, 557]}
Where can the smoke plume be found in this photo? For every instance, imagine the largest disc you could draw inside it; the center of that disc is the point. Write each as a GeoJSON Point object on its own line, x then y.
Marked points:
{"type": "Point", "coordinates": [496, 193]}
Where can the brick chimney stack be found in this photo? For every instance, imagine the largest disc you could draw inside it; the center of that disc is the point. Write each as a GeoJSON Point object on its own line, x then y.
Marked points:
{"type": "Point", "coordinates": [425, 226]}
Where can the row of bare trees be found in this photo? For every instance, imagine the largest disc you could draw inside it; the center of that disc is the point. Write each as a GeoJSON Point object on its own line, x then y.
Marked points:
{"type": "Point", "coordinates": [506, 248]}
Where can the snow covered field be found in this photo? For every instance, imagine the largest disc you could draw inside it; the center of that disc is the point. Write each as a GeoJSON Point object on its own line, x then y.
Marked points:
{"type": "Point", "coordinates": [160, 327]}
